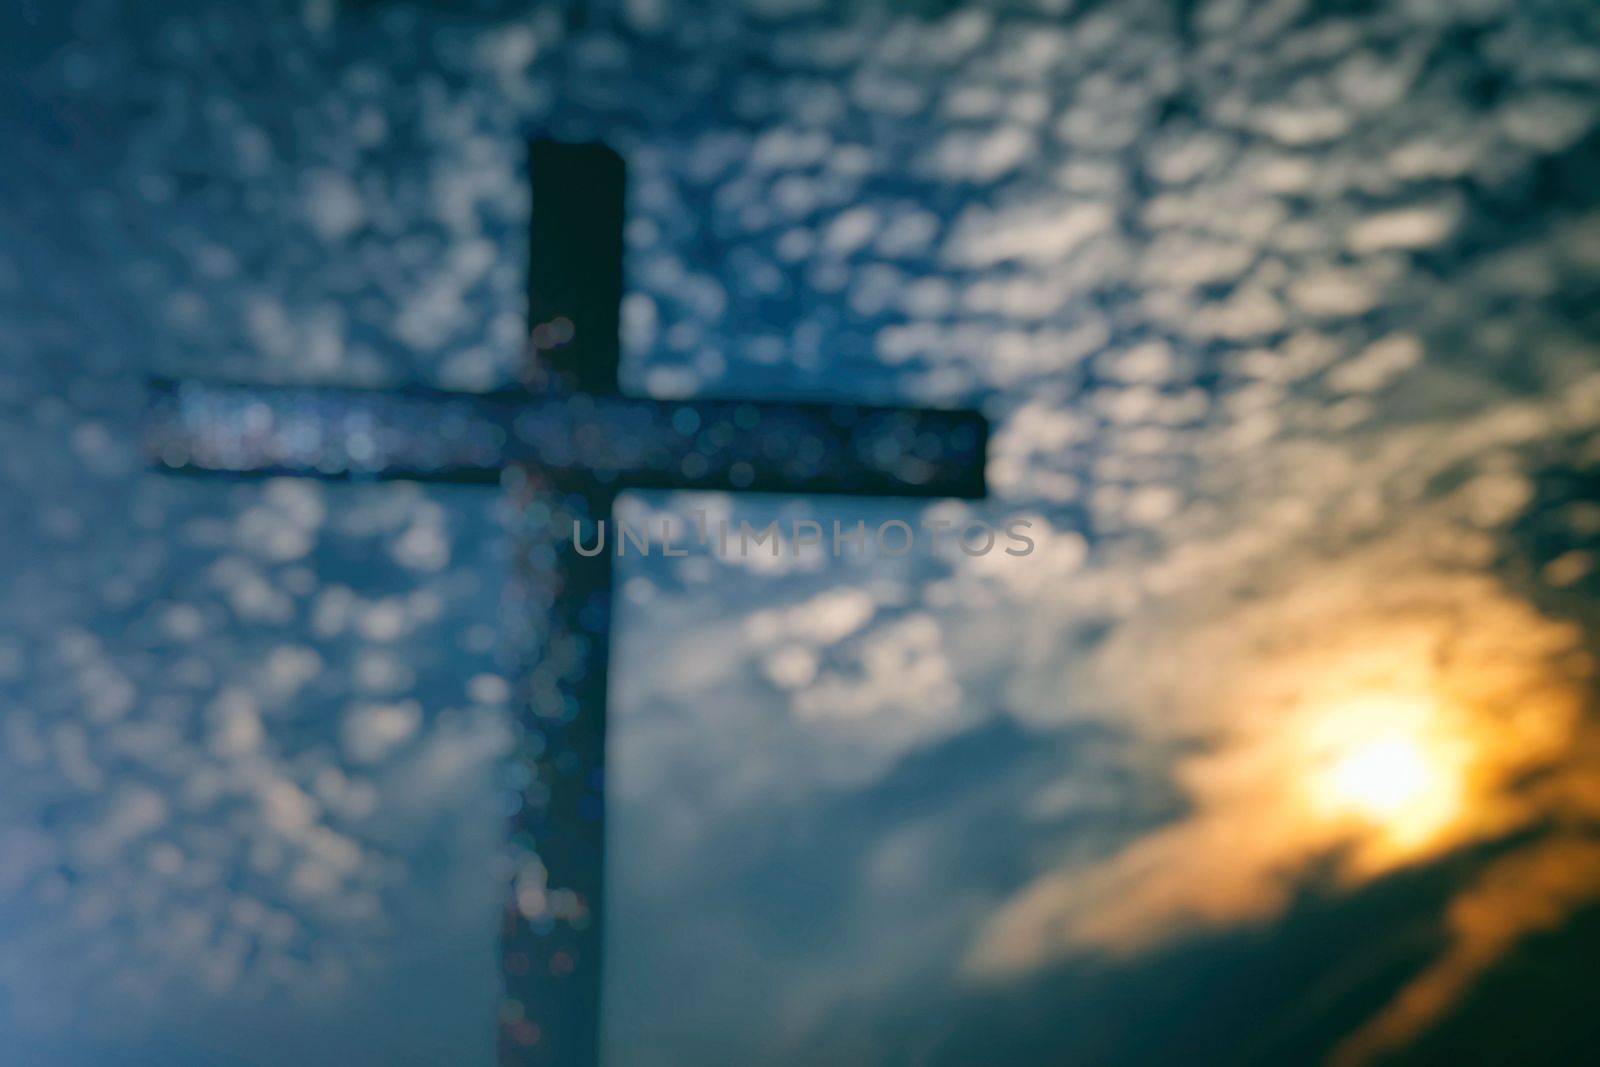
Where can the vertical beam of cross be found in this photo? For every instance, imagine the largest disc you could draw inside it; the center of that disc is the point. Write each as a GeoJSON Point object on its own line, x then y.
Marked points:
{"type": "Point", "coordinates": [563, 447]}
{"type": "Point", "coordinates": [551, 943]}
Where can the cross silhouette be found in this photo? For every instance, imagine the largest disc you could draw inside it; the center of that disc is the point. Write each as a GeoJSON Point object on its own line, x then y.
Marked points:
{"type": "Point", "coordinates": [564, 447]}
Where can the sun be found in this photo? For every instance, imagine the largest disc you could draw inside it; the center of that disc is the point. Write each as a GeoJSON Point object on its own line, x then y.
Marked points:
{"type": "Point", "coordinates": [1383, 777]}
{"type": "Point", "coordinates": [1391, 767]}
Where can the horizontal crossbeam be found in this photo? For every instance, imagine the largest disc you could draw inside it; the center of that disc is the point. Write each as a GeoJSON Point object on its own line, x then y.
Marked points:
{"type": "Point", "coordinates": [627, 442]}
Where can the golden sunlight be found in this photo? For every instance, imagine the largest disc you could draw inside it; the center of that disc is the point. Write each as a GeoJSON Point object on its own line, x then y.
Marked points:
{"type": "Point", "coordinates": [1383, 777]}
{"type": "Point", "coordinates": [1394, 765]}
{"type": "Point", "coordinates": [1369, 715]}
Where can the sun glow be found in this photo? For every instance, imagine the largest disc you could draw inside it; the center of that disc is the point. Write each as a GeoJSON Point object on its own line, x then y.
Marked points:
{"type": "Point", "coordinates": [1373, 717]}
{"type": "Point", "coordinates": [1391, 765]}
{"type": "Point", "coordinates": [1382, 778]}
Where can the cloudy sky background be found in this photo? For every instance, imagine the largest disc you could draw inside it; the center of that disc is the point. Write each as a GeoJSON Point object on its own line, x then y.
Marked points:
{"type": "Point", "coordinates": [1286, 320]}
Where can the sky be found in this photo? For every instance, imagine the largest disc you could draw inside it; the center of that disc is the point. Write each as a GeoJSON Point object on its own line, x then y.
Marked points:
{"type": "Point", "coordinates": [1280, 748]}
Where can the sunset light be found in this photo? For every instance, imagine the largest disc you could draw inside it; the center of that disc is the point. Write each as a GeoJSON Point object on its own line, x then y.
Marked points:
{"type": "Point", "coordinates": [1382, 778]}
{"type": "Point", "coordinates": [1394, 767]}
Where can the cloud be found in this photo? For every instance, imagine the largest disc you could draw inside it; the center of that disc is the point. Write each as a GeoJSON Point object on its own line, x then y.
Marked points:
{"type": "Point", "coordinates": [1341, 690]}
{"type": "Point", "coordinates": [1273, 701]}
{"type": "Point", "coordinates": [1532, 891]}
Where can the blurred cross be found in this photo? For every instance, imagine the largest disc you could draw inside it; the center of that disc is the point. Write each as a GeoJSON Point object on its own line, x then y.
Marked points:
{"type": "Point", "coordinates": [564, 447]}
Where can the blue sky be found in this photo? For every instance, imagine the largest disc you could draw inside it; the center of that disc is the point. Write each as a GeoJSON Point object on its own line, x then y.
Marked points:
{"type": "Point", "coordinates": [1280, 747]}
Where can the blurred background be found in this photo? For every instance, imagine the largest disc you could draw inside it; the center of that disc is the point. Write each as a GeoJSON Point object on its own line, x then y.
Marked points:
{"type": "Point", "coordinates": [1280, 749]}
